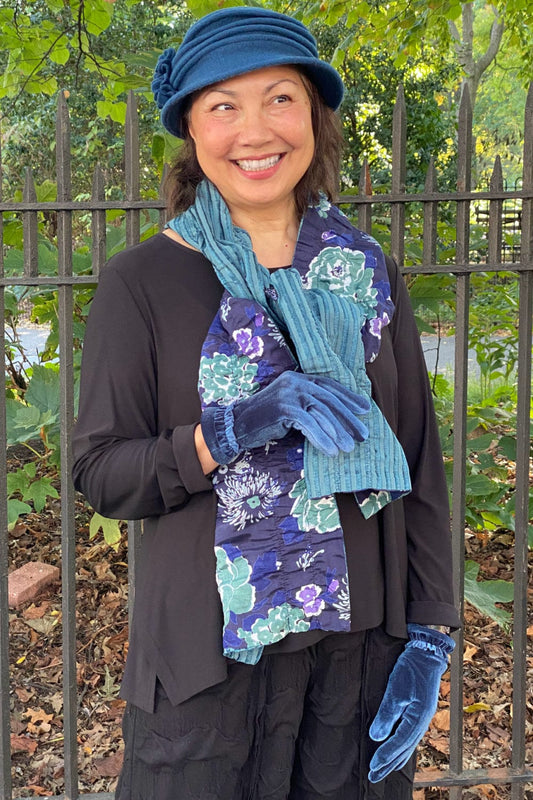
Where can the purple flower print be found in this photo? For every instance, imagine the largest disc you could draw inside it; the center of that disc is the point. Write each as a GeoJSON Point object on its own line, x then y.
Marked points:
{"type": "Point", "coordinates": [310, 600]}
{"type": "Point", "coordinates": [249, 345]}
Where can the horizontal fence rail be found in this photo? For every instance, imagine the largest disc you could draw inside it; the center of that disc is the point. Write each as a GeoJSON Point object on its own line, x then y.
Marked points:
{"type": "Point", "coordinates": [517, 774]}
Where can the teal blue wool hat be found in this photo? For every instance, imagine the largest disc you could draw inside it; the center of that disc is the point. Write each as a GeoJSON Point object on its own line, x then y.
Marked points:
{"type": "Point", "coordinates": [230, 42]}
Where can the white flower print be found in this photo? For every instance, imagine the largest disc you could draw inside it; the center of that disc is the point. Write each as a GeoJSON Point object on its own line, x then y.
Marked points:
{"type": "Point", "coordinates": [248, 498]}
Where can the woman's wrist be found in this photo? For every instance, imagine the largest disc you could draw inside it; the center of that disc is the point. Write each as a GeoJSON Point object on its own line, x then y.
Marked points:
{"type": "Point", "coordinates": [440, 628]}
{"type": "Point", "coordinates": [204, 454]}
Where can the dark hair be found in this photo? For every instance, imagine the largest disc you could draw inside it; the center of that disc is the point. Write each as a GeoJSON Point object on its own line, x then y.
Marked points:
{"type": "Point", "coordinates": [322, 175]}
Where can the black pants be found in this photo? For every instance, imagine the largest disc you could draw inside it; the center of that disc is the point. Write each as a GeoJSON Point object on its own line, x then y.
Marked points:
{"type": "Point", "coordinates": [293, 727]}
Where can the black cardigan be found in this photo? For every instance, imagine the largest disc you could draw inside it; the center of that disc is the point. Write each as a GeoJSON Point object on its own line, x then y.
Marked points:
{"type": "Point", "coordinates": [135, 458]}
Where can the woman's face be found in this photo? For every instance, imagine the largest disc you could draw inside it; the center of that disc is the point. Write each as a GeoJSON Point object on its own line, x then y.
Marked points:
{"type": "Point", "coordinates": [254, 137]}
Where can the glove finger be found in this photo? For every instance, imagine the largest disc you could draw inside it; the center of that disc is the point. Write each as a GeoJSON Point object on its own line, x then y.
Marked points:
{"type": "Point", "coordinates": [341, 416]}
{"type": "Point", "coordinates": [320, 433]}
{"type": "Point", "coordinates": [343, 427]}
{"type": "Point", "coordinates": [389, 712]}
{"type": "Point", "coordinates": [379, 769]}
{"type": "Point", "coordinates": [396, 750]}
{"type": "Point", "coordinates": [358, 403]}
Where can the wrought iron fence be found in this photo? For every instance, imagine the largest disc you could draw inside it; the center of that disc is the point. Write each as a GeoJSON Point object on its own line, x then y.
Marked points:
{"type": "Point", "coordinates": [493, 204]}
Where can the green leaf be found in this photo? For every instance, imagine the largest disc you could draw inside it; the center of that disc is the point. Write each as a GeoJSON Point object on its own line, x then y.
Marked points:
{"type": "Point", "coordinates": [39, 491]}
{"type": "Point", "coordinates": [484, 594]}
{"type": "Point", "coordinates": [43, 390]}
{"type": "Point", "coordinates": [109, 527]}
{"type": "Point", "coordinates": [480, 486]}
{"type": "Point", "coordinates": [17, 482]}
{"type": "Point", "coordinates": [507, 447]}
{"type": "Point", "coordinates": [24, 423]}
{"type": "Point", "coordinates": [15, 509]}
{"type": "Point", "coordinates": [97, 16]}
{"type": "Point", "coordinates": [115, 111]}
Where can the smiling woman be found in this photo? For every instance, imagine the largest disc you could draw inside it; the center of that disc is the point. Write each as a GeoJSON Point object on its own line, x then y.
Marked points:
{"type": "Point", "coordinates": [253, 386]}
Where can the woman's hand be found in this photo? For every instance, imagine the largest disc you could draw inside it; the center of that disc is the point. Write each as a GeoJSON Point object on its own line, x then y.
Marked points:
{"type": "Point", "coordinates": [326, 412]}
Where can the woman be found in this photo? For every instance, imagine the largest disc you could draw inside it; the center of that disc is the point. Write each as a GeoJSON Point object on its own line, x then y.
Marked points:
{"type": "Point", "coordinates": [273, 427]}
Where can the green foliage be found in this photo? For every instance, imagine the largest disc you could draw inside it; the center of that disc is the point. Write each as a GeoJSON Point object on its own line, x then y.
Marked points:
{"type": "Point", "coordinates": [23, 488]}
{"type": "Point", "coordinates": [109, 527]}
{"type": "Point", "coordinates": [485, 594]}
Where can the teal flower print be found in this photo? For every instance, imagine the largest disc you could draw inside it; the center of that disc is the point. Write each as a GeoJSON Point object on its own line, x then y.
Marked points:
{"type": "Point", "coordinates": [319, 514]}
{"type": "Point", "coordinates": [233, 578]}
{"type": "Point", "coordinates": [342, 271]}
{"type": "Point", "coordinates": [224, 378]}
{"type": "Point", "coordinates": [374, 503]}
{"type": "Point", "coordinates": [323, 206]}
{"type": "Point", "coordinates": [280, 621]}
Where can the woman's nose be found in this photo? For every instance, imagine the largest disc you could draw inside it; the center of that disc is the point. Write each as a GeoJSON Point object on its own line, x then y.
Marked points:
{"type": "Point", "coordinates": [254, 128]}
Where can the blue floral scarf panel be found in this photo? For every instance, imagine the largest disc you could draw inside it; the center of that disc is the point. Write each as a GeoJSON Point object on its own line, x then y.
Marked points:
{"type": "Point", "coordinates": [281, 564]}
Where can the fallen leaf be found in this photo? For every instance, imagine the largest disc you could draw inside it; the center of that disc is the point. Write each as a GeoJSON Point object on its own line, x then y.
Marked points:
{"type": "Point", "coordinates": [36, 612]}
{"type": "Point", "coordinates": [37, 714]}
{"type": "Point", "coordinates": [24, 695]}
{"type": "Point", "coordinates": [473, 707]}
{"type": "Point", "coordinates": [486, 790]}
{"type": "Point", "coordinates": [23, 744]}
{"type": "Point", "coordinates": [441, 720]}
{"type": "Point", "coordinates": [109, 767]}
{"type": "Point", "coordinates": [40, 791]}
{"type": "Point", "coordinates": [470, 652]}
{"type": "Point", "coordinates": [440, 743]}
{"type": "Point", "coordinates": [39, 720]}
{"type": "Point", "coordinates": [45, 625]}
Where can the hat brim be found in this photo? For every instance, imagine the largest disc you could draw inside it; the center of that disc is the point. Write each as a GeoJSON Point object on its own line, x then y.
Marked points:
{"type": "Point", "coordinates": [324, 76]}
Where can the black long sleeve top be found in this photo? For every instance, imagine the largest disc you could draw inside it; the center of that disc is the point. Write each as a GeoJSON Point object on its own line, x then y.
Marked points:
{"type": "Point", "coordinates": [135, 458]}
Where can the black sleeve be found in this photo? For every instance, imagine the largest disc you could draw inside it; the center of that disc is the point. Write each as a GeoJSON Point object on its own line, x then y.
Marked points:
{"type": "Point", "coordinates": [124, 465]}
{"type": "Point", "coordinates": [426, 507]}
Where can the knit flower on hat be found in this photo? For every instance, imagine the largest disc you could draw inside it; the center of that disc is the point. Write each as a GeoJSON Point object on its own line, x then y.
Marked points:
{"type": "Point", "coordinates": [161, 86]}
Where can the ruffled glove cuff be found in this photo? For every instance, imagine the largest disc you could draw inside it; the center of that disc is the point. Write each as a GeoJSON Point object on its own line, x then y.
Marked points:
{"type": "Point", "coordinates": [217, 429]}
{"type": "Point", "coordinates": [424, 638]}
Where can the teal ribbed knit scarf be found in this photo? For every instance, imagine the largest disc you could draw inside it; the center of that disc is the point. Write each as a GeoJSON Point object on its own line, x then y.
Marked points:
{"type": "Point", "coordinates": [324, 318]}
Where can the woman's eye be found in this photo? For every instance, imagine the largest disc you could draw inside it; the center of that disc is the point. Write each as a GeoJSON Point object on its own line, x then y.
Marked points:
{"type": "Point", "coordinates": [282, 98]}
{"type": "Point", "coordinates": [223, 107]}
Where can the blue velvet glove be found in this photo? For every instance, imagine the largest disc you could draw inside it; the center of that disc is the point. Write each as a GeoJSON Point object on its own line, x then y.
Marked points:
{"type": "Point", "coordinates": [410, 699]}
{"type": "Point", "coordinates": [321, 408]}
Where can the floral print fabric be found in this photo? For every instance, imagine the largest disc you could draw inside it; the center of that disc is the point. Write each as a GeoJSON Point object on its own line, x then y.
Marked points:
{"type": "Point", "coordinates": [281, 565]}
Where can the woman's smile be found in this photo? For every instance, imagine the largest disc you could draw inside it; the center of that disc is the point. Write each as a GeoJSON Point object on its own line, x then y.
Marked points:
{"type": "Point", "coordinates": [258, 164]}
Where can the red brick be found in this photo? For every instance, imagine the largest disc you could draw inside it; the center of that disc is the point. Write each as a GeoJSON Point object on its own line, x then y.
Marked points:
{"type": "Point", "coordinates": [27, 581]}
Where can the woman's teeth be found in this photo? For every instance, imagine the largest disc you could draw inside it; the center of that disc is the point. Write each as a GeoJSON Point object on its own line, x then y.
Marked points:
{"type": "Point", "coordinates": [257, 164]}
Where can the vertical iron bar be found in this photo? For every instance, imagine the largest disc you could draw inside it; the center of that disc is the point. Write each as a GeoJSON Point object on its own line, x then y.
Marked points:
{"type": "Point", "coordinates": [364, 211]}
{"type": "Point", "coordinates": [399, 138]}
{"type": "Point", "coordinates": [464, 161]}
{"type": "Point", "coordinates": [494, 255]}
{"type": "Point", "coordinates": [5, 721]}
{"type": "Point", "coordinates": [163, 216]}
{"type": "Point", "coordinates": [431, 211]}
{"type": "Point", "coordinates": [29, 228]}
{"type": "Point", "coordinates": [66, 372]}
{"type": "Point", "coordinates": [523, 446]}
{"type": "Point", "coordinates": [133, 183]}
{"type": "Point", "coordinates": [98, 224]}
